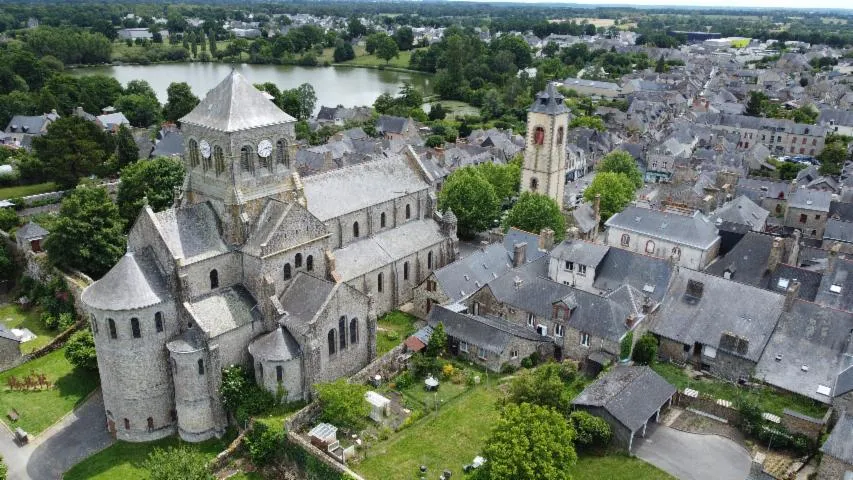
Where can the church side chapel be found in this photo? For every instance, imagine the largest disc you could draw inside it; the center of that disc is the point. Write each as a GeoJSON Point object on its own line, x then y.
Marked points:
{"type": "Point", "coordinates": [256, 266]}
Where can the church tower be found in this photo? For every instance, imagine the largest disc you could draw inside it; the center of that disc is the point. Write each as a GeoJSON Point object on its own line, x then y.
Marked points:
{"type": "Point", "coordinates": [544, 168]}
{"type": "Point", "coordinates": [239, 147]}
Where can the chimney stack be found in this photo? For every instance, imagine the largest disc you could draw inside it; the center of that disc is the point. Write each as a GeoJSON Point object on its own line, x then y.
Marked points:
{"type": "Point", "coordinates": [596, 208]}
{"type": "Point", "coordinates": [791, 295]}
{"type": "Point", "coordinates": [546, 239]}
{"type": "Point", "coordinates": [775, 254]}
{"type": "Point", "coordinates": [629, 322]}
{"type": "Point", "coordinates": [793, 186]}
{"type": "Point", "coordinates": [572, 233]}
{"type": "Point", "coordinates": [519, 250]}
{"type": "Point", "coordinates": [834, 250]}
{"type": "Point", "coordinates": [793, 256]}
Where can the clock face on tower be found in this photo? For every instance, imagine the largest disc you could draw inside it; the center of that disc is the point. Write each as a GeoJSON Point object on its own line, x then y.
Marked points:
{"type": "Point", "coordinates": [265, 148]}
{"type": "Point", "coordinates": [204, 147]}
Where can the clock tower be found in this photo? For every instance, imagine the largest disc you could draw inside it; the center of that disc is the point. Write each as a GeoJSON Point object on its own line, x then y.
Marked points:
{"type": "Point", "coordinates": [544, 168]}
{"type": "Point", "coordinates": [239, 146]}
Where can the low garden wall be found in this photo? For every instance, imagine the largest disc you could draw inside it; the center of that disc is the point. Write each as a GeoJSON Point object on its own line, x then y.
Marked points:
{"type": "Point", "coordinates": [810, 427]}
{"type": "Point", "coordinates": [311, 455]}
{"type": "Point", "coordinates": [388, 366]}
{"type": "Point", "coordinates": [708, 405]}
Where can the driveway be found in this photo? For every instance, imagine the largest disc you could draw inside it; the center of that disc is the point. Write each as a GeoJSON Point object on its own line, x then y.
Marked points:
{"type": "Point", "coordinates": [78, 435]}
{"type": "Point", "coordinates": [691, 456]}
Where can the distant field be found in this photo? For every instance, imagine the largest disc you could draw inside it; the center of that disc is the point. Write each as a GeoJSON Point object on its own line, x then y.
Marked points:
{"type": "Point", "coordinates": [26, 190]}
{"type": "Point", "coordinates": [400, 61]}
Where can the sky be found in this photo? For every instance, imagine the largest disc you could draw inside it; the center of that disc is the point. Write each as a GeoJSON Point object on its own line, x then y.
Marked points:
{"type": "Point", "coordinates": [774, 4]}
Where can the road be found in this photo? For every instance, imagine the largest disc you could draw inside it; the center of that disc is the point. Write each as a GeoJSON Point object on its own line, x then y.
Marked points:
{"type": "Point", "coordinates": [75, 437]}
{"type": "Point", "coordinates": [692, 456]}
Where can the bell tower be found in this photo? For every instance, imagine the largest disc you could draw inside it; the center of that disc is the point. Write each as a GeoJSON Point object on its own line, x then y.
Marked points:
{"type": "Point", "coordinates": [544, 168]}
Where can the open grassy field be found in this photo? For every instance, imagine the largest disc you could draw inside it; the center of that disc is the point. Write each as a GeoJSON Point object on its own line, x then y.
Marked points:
{"type": "Point", "coordinates": [13, 316]}
{"type": "Point", "coordinates": [393, 328]}
{"type": "Point", "coordinates": [42, 408]}
{"type": "Point", "coordinates": [362, 59]}
{"type": "Point", "coordinates": [26, 190]}
{"type": "Point", "coordinates": [616, 467]}
{"type": "Point", "coordinates": [124, 460]}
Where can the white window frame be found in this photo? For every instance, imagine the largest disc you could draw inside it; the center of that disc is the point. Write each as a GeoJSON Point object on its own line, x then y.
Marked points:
{"type": "Point", "coordinates": [569, 266]}
{"type": "Point", "coordinates": [558, 330]}
{"type": "Point", "coordinates": [585, 340]}
{"type": "Point", "coordinates": [482, 354]}
{"type": "Point", "coordinates": [531, 320]}
{"type": "Point", "coordinates": [475, 308]}
{"type": "Point", "coordinates": [581, 270]}
{"type": "Point", "coordinates": [513, 354]}
{"type": "Point", "coordinates": [463, 346]}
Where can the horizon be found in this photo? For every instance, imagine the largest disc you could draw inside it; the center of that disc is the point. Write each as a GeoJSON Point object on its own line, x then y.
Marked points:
{"type": "Point", "coordinates": [843, 5]}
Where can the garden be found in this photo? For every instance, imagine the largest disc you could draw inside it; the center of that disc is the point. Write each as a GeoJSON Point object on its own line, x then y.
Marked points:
{"type": "Point", "coordinates": [17, 317]}
{"type": "Point", "coordinates": [392, 329]}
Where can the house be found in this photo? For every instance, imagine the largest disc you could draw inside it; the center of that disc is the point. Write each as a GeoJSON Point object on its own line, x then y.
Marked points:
{"type": "Point", "coordinates": [692, 241]}
{"type": "Point", "coordinates": [573, 262]}
{"type": "Point", "coordinates": [10, 348]}
{"type": "Point", "coordinates": [112, 121]}
{"type": "Point", "coordinates": [837, 284]}
{"type": "Point", "coordinates": [627, 398]}
{"type": "Point", "coordinates": [717, 324]}
{"type": "Point", "coordinates": [808, 211]}
{"type": "Point", "coordinates": [22, 128]}
{"type": "Point", "coordinates": [837, 462]}
{"type": "Point", "coordinates": [838, 231]}
{"type": "Point", "coordinates": [771, 195]}
{"type": "Point", "coordinates": [810, 346]}
{"type": "Point", "coordinates": [593, 87]}
{"type": "Point", "coordinates": [647, 274]}
{"type": "Point", "coordinates": [30, 237]}
{"type": "Point", "coordinates": [488, 340]}
{"type": "Point", "coordinates": [742, 211]}
{"type": "Point", "coordinates": [586, 220]}
{"type": "Point", "coordinates": [418, 340]}
{"type": "Point", "coordinates": [390, 127]}
{"type": "Point", "coordinates": [836, 120]}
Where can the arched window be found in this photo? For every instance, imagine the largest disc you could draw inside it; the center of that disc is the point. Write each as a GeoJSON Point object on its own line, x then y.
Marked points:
{"type": "Point", "coordinates": [309, 263]}
{"type": "Point", "coordinates": [408, 211]}
{"type": "Point", "coordinates": [287, 272]}
{"type": "Point", "coordinates": [126, 424]}
{"type": "Point", "coordinates": [559, 136]}
{"type": "Point", "coordinates": [342, 332]}
{"type": "Point", "coordinates": [676, 253]}
{"type": "Point", "coordinates": [379, 282]}
{"type": "Point", "coordinates": [355, 229]}
{"type": "Point", "coordinates": [94, 324]}
{"type": "Point", "coordinates": [264, 162]}
{"type": "Point", "coordinates": [429, 261]}
{"type": "Point", "coordinates": [214, 279]}
{"type": "Point", "coordinates": [534, 184]}
{"type": "Point", "coordinates": [405, 270]}
{"type": "Point", "coordinates": [282, 155]}
{"type": "Point", "coordinates": [150, 424]}
{"type": "Point", "coordinates": [193, 151]}
{"type": "Point", "coordinates": [297, 262]}
{"type": "Point", "coordinates": [625, 240]}
{"type": "Point", "coordinates": [158, 321]}
{"type": "Point", "coordinates": [112, 325]}
{"type": "Point", "coordinates": [279, 374]}
{"type": "Point", "coordinates": [206, 162]}
{"type": "Point", "coordinates": [134, 328]}
{"type": "Point", "coordinates": [382, 220]}
{"type": "Point", "coordinates": [246, 159]}
{"type": "Point", "coordinates": [261, 371]}
{"type": "Point", "coordinates": [650, 247]}
{"type": "Point", "coordinates": [332, 344]}
{"type": "Point", "coordinates": [353, 331]}
{"type": "Point", "coordinates": [218, 160]}
{"type": "Point", "coordinates": [539, 136]}
{"type": "Point", "coordinates": [200, 366]}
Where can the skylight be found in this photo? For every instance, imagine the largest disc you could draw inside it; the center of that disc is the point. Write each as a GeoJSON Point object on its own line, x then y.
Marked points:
{"type": "Point", "coordinates": [835, 288]}
{"type": "Point", "coordinates": [783, 283]}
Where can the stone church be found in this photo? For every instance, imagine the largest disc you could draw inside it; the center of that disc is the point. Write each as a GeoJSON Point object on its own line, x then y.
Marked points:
{"type": "Point", "coordinates": [259, 267]}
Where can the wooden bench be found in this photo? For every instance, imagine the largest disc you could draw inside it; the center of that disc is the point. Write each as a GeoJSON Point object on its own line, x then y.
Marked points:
{"type": "Point", "coordinates": [21, 436]}
{"type": "Point", "coordinates": [13, 415]}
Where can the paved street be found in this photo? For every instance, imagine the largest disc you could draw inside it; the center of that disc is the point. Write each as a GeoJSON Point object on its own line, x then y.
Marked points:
{"type": "Point", "coordinates": [57, 449]}
{"type": "Point", "coordinates": [691, 456]}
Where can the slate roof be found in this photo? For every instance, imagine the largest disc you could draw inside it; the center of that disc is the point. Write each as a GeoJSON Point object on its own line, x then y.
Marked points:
{"type": "Point", "coordinates": [841, 211]}
{"type": "Point", "coordinates": [693, 230]}
{"type": "Point", "coordinates": [844, 382]}
{"type": "Point", "coordinates": [810, 200]}
{"type": "Point", "coordinates": [224, 310]}
{"type": "Point", "coordinates": [757, 189]}
{"type": "Point", "coordinates": [579, 251]}
{"type": "Point", "coordinates": [171, 145]}
{"type": "Point", "coordinates": [467, 275]}
{"type": "Point", "coordinates": [584, 217]}
{"type": "Point", "coordinates": [515, 236]}
{"type": "Point", "coordinates": [31, 124]}
{"type": "Point", "coordinates": [747, 261]}
{"type": "Point", "coordinates": [234, 105]}
{"type": "Point", "coordinates": [111, 120]}
{"type": "Point", "coordinates": [363, 256]}
{"type": "Point", "coordinates": [7, 334]}
{"type": "Point", "coordinates": [808, 335]}
{"type": "Point", "coordinates": [549, 101]}
{"type": "Point", "coordinates": [276, 346]}
{"type": "Point", "coordinates": [725, 306]}
{"type": "Point", "coordinates": [191, 233]}
{"type": "Point", "coordinates": [602, 317]}
{"type": "Point", "coordinates": [134, 282]}
{"type": "Point", "coordinates": [840, 441]}
{"type": "Point", "coordinates": [391, 124]}
{"type": "Point", "coordinates": [493, 334]}
{"type": "Point", "coordinates": [344, 190]}
{"type": "Point", "coordinates": [785, 274]}
{"type": "Point", "coordinates": [838, 273]}
{"type": "Point", "coordinates": [30, 231]}
{"type": "Point", "coordinates": [839, 231]}
{"type": "Point", "coordinates": [535, 294]}
{"type": "Point", "coordinates": [650, 275]}
{"type": "Point", "coordinates": [631, 394]}
{"type": "Point", "coordinates": [302, 300]}
{"type": "Point", "coordinates": [742, 211]}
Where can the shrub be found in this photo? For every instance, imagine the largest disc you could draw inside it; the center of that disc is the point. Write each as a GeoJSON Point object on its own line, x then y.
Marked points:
{"type": "Point", "coordinates": [526, 362]}
{"type": "Point", "coordinates": [423, 365]}
{"type": "Point", "coordinates": [65, 320]}
{"type": "Point", "coordinates": [626, 345]}
{"type": "Point", "coordinates": [177, 462]}
{"type": "Point", "coordinates": [262, 442]}
{"type": "Point", "coordinates": [49, 321]}
{"type": "Point", "coordinates": [80, 350]}
{"type": "Point", "coordinates": [343, 403]}
{"type": "Point", "coordinates": [590, 431]}
{"type": "Point", "coordinates": [447, 370]}
{"type": "Point", "coordinates": [508, 368]}
{"type": "Point", "coordinates": [437, 342]}
{"type": "Point", "coordinates": [242, 396]}
{"type": "Point", "coordinates": [404, 380]}
{"type": "Point", "coordinates": [8, 219]}
{"type": "Point", "coordinates": [568, 370]}
{"type": "Point", "coordinates": [646, 349]}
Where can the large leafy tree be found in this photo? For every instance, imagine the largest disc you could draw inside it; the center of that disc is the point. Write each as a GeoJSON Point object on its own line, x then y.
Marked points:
{"type": "Point", "coordinates": [343, 403]}
{"type": "Point", "coordinates": [127, 151]}
{"type": "Point", "coordinates": [472, 199]}
{"type": "Point", "coordinates": [88, 234]}
{"type": "Point", "coordinates": [154, 180]}
{"type": "Point", "coordinates": [620, 161]}
{"type": "Point", "coordinates": [180, 101]}
{"type": "Point", "coordinates": [832, 156]}
{"type": "Point", "coordinates": [140, 110]}
{"type": "Point", "coordinates": [530, 442]}
{"type": "Point", "coordinates": [616, 192]}
{"type": "Point", "coordinates": [80, 350]}
{"type": "Point", "coordinates": [298, 102]}
{"type": "Point", "coordinates": [180, 461]}
{"type": "Point", "coordinates": [543, 386]}
{"type": "Point", "coordinates": [72, 148]}
{"type": "Point", "coordinates": [505, 178]}
{"type": "Point", "coordinates": [405, 38]}
{"type": "Point", "coordinates": [387, 48]}
{"type": "Point", "coordinates": [533, 212]}
{"type": "Point", "coordinates": [590, 431]}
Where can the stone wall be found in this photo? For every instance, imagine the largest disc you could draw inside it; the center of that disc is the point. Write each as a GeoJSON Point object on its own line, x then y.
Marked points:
{"type": "Point", "coordinates": [832, 468]}
{"type": "Point", "coordinates": [811, 427]}
{"type": "Point", "coordinates": [322, 456]}
{"type": "Point", "coordinates": [387, 366]}
{"type": "Point", "coordinates": [708, 405]}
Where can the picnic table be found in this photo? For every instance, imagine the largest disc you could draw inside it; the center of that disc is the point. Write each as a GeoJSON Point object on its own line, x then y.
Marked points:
{"type": "Point", "coordinates": [431, 383]}
{"type": "Point", "coordinates": [21, 436]}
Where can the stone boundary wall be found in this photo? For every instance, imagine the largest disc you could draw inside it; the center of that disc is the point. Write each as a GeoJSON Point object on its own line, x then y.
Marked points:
{"type": "Point", "coordinates": [388, 365]}
{"type": "Point", "coordinates": [708, 405]}
{"type": "Point", "coordinates": [300, 441]}
{"type": "Point", "coordinates": [811, 427]}
{"type": "Point", "coordinates": [301, 418]}
{"type": "Point", "coordinates": [112, 188]}
{"type": "Point", "coordinates": [222, 457]}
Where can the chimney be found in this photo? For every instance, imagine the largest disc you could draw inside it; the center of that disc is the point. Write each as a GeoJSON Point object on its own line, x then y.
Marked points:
{"type": "Point", "coordinates": [518, 253]}
{"type": "Point", "coordinates": [517, 281]}
{"type": "Point", "coordinates": [596, 208]}
{"type": "Point", "coordinates": [546, 239]}
{"type": "Point", "coordinates": [331, 269]}
{"type": "Point", "coordinates": [775, 254]}
{"type": "Point", "coordinates": [572, 233]}
{"type": "Point", "coordinates": [793, 256]}
{"type": "Point", "coordinates": [629, 322]}
{"type": "Point", "coordinates": [791, 295]}
{"type": "Point", "coordinates": [832, 257]}
{"type": "Point", "coordinates": [793, 186]}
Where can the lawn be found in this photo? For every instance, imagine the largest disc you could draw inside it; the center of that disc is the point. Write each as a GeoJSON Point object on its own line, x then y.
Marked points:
{"type": "Point", "coordinates": [770, 400]}
{"type": "Point", "coordinates": [457, 109]}
{"type": "Point", "coordinates": [41, 409]}
{"type": "Point", "coordinates": [400, 61]}
{"type": "Point", "coordinates": [26, 190]}
{"type": "Point", "coordinates": [616, 467]}
{"type": "Point", "coordinates": [123, 460]}
{"type": "Point", "coordinates": [393, 328]}
{"type": "Point", "coordinates": [13, 316]}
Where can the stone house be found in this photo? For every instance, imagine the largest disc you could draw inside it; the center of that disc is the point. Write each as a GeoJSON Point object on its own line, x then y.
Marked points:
{"type": "Point", "coordinates": [22, 128]}
{"type": "Point", "coordinates": [692, 241]}
{"type": "Point", "coordinates": [808, 211]}
{"type": "Point", "coordinates": [837, 282]}
{"type": "Point", "coordinates": [742, 211]}
{"type": "Point", "coordinates": [771, 195]}
{"type": "Point", "coordinates": [10, 348]}
{"type": "Point", "coordinates": [391, 128]}
{"type": "Point", "coordinates": [488, 340]}
{"type": "Point", "coordinates": [30, 237]}
{"type": "Point", "coordinates": [716, 324]}
{"type": "Point", "coordinates": [573, 262]}
{"type": "Point", "coordinates": [837, 462]}
{"type": "Point", "coordinates": [781, 136]}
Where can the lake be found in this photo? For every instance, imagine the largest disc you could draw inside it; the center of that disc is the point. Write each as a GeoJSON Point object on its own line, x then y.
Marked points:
{"type": "Point", "coordinates": [347, 86]}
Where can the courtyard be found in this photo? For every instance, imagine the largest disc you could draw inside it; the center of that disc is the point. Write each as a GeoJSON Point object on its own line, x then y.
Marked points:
{"type": "Point", "coordinates": [692, 456]}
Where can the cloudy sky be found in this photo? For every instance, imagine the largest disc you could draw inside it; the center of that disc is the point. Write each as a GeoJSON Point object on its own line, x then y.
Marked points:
{"type": "Point", "coordinates": [847, 4]}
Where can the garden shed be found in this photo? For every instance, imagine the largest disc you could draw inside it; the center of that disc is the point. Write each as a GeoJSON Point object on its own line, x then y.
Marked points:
{"type": "Point", "coordinates": [379, 406]}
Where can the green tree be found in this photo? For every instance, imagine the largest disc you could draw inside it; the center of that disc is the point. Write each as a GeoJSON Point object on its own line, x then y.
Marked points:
{"type": "Point", "coordinates": [543, 386]}
{"type": "Point", "coordinates": [588, 122]}
{"type": "Point", "coordinates": [616, 191]}
{"type": "Point", "coordinates": [127, 151]}
{"type": "Point", "coordinates": [530, 442]}
{"type": "Point", "coordinates": [180, 101]}
{"type": "Point", "coordinates": [620, 161]}
{"type": "Point", "coordinates": [590, 431]}
{"type": "Point", "coordinates": [355, 28]}
{"type": "Point", "coordinates": [405, 38]}
{"type": "Point", "coordinates": [263, 442]}
{"type": "Point", "coordinates": [387, 49]}
{"type": "Point", "coordinates": [646, 349]}
{"type": "Point", "coordinates": [437, 342]}
{"type": "Point", "coordinates": [832, 157]}
{"type": "Point", "coordinates": [181, 461]}
{"type": "Point", "coordinates": [472, 199]}
{"type": "Point", "coordinates": [72, 148]}
{"type": "Point", "coordinates": [88, 233]}
{"type": "Point", "coordinates": [756, 104]}
{"type": "Point", "coordinates": [139, 87]}
{"type": "Point", "coordinates": [660, 66]}
{"type": "Point", "coordinates": [141, 110]}
{"type": "Point", "coordinates": [788, 170]}
{"type": "Point", "coordinates": [533, 212]}
{"type": "Point", "coordinates": [154, 180]}
{"type": "Point", "coordinates": [437, 112]}
{"type": "Point", "coordinates": [299, 102]}
{"type": "Point", "coordinates": [434, 141]}
{"type": "Point", "coordinates": [8, 219]}
{"type": "Point", "coordinates": [343, 403]}
{"type": "Point", "coordinates": [505, 178]}
{"type": "Point", "coordinates": [80, 350]}
{"type": "Point", "coordinates": [343, 52]}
